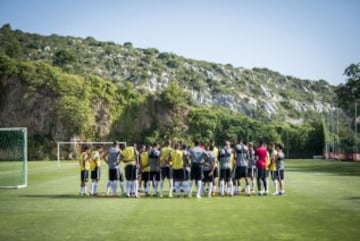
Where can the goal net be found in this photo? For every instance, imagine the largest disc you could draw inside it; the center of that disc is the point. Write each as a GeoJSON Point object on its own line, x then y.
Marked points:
{"type": "Point", "coordinates": [13, 157]}
{"type": "Point", "coordinates": [70, 150]}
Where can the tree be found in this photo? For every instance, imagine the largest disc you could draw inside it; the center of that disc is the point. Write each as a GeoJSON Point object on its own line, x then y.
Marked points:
{"type": "Point", "coordinates": [63, 57]}
{"type": "Point", "coordinates": [349, 92]}
{"type": "Point", "coordinates": [11, 45]}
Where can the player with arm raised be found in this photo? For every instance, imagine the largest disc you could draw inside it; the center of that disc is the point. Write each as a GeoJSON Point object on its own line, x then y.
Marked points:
{"type": "Point", "coordinates": [84, 169]}
{"type": "Point", "coordinates": [165, 168]}
{"type": "Point", "coordinates": [129, 157]}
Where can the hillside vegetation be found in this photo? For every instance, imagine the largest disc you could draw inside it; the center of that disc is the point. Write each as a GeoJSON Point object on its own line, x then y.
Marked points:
{"type": "Point", "coordinates": [67, 87]}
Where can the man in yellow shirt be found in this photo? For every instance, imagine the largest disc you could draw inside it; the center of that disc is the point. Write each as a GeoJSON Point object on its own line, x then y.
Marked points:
{"type": "Point", "coordinates": [215, 152]}
{"type": "Point", "coordinates": [165, 168]}
{"type": "Point", "coordinates": [95, 163]}
{"type": "Point", "coordinates": [130, 158]}
{"type": "Point", "coordinates": [145, 168]}
{"type": "Point", "coordinates": [177, 160]}
{"type": "Point", "coordinates": [84, 169]}
{"type": "Point", "coordinates": [272, 167]}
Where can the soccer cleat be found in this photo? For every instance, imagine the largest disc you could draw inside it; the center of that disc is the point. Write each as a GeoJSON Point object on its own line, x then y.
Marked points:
{"type": "Point", "coordinates": [198, 196]}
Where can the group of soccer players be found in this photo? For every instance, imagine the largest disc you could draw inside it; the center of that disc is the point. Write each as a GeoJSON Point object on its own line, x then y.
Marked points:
{"type": "Point", "coordinates": [209, 169]}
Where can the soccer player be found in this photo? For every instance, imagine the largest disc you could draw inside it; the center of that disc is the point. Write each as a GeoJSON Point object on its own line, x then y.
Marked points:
{"type": "Point", "coordinates": [225, 168]}
{"type": "Point", "coordinates": [251, 166]}
{"type": "Point", "coordinates": [215, 152]}
{"type": "Point", "coordinates": [241, 157]}
{"type": "Point", "coordinates": [177, 160]}
{"type": "Point", "coordinates": [261, 153]}
{"type": "Point", "coordinates": [112, 158]}
{"type": "Point", "coordinates": [166, 170]}
{"type": "Point", "coordinates": [187, 167]}
{"type": "Point", "coordinates": [84, 169]}
{"type": "Point", "coordinates": [130, 158]}
{"type": "Point", "coordinates": [272, 166]}
{"type": "Point", "coordinates": [145, 168]}
{"type": "Point", "coordinates": [280, 166]}
{"type": "Point", "coordinates": [209, 169]}
{"type": "Point", "coordinates": [95, 163]}
{"type": "Point", "coordinates": [154, 165]}
{"type": "Point", "coordinates": [197, 156]}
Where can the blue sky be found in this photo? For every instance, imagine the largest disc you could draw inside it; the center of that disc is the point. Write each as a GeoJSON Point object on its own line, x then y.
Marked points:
{"type": "Point", "coordinates": [308, 39]}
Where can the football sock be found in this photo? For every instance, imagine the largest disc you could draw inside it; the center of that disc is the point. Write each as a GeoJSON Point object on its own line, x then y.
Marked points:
{"type": "Point", "coordinates": [136, 187]}
{"type": "Point", "coordinates": [190, 188]}
{"type": "Point", "coordinates": [148, 186]}
{"type": "Point", "coordinates": [128, 188]}
{"type": "Point", "coordinates": [210, 189]}
{"type": "Point", "coordinates": [198, 190]}
{"type": "Point", "coordinates": [122, 187]}
{"type": "Point", "coordinates": [276, 186]}
{"type": "Point", "coordinates": [170, 187]}
{"type": "Point", "coordinates": [161, 186]}
{"type": "Point", "coordinates": [177, 188]}
{"type": "Point", "coordinates": [185, 187]}
{"type": "Point", "coordinates": [231, 188]}
{"type": "Point", "coordinates": [95, 187]}
{"type": "Point", "coordinates": [222, 187]}
{"type": "Point", "coordinates": [113, 187]}
{"type": "Point", "coordinates": [108, 185]}
{"type": "Point", "coordinates": [156, 187]}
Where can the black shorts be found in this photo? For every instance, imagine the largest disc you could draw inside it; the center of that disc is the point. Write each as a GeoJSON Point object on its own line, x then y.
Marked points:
{"type": "Point", "coordinates": [95, 174]}
{"type": "Point", "coordinates": [84, 176]}
{"type": "Point", "coordinates": [166, 172]}
{"type": "Point", "coordinates": [196, 172]}
{"type": "Point", "coordinates": [154, 176]}
{"type": "Point", "coordinates": [187, 172]}
{"type": "Point", "coordinates": [114, 175]}
{"type": "Point", "coordinates": [130, 172]}
{"type": "Point", "coordinates": [145, 176]}
{"type": "Point", "coordinates": [279, 174]}
{"type": "Point", "coordinates": [241, 172]}
{"type": "Point", "coordinates": [179, 175]}
{"type": "Point", "coordinates": [225, 174]}
{"type": "Point", "coordinates": [251, 172]}
{"type": "Point", "coordinates": [208, 177]}
{"type": "Point", "coordinates": [261, 173]}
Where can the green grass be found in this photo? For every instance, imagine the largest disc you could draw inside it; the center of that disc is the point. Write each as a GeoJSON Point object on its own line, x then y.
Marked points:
{"type": "Point", "coordinates": [322, 203]}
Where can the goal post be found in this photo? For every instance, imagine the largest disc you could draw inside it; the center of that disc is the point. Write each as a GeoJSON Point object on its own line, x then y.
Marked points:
{"type": "Point", "coordinates": [13, 157]}
{"type": "Point", "coordinates": [74, 148]}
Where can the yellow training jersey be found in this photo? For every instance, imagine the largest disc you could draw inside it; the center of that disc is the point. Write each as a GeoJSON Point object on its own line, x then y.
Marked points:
{"type": "Point", "coordinates": [215, 151]}
{"type": "Point", "coordinates": [144, 161]}
{"type": "Point", "coordinates": [268, 160]}
{"type": "Point", "coordinates": [232, 161]}
{"type": "Point", "coordinates": [84, 162]}
{"type": "Point", "coordinates": [94, 160]}
{"type": "Point", "coordinates": [176, 158]}
{"type": "Point", "coordinates": [128, 155]}
{"type": "Point", "coordinates": [165, 151]}
{"type": "Point", "coordinates": [272, 166]}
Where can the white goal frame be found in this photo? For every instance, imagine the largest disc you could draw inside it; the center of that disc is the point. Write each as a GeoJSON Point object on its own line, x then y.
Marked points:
{"type": "Point", "coordinates": [25, 150]}
{"type": "Point", "coordinates": [81, 143]}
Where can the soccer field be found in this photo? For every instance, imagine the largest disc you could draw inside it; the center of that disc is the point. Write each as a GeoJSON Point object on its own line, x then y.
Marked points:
{"type": "Point", "coordinates": [322, 203]}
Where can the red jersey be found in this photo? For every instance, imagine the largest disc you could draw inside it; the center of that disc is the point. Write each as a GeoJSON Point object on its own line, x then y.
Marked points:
{"type": "Point", "coordinates": [261, 154]}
